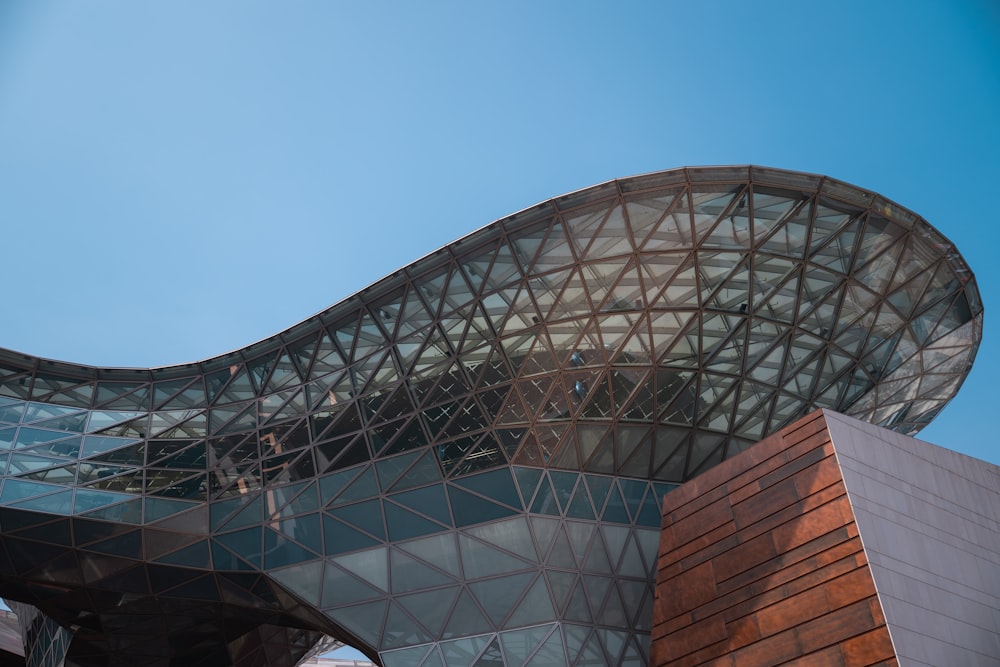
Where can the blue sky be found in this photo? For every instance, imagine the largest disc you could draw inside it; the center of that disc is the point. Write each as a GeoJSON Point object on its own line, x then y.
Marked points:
{"type": "Point", "coordinates": [180, 179]}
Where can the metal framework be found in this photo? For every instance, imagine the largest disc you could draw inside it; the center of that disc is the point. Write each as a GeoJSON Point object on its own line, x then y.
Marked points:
{"type": "Point", "coordinates": [463, 463]}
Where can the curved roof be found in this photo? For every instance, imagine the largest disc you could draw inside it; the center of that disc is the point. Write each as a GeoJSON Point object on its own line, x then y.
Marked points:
{"type": "Point", "coordinates": [644, 328]}
{"type": "Point", "coordinates": [716, 303]}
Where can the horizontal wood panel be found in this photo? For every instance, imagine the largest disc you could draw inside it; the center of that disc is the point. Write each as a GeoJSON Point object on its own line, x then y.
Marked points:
{"type": "Point", "coordinates": [760, 563]}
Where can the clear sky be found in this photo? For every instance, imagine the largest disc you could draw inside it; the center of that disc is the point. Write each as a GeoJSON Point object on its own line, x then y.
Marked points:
{"type": "Point", "coordinates": [179, 179]}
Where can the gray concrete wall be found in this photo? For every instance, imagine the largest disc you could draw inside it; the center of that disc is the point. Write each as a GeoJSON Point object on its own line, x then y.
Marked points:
{"type": "Point", "coordinates": [929, 520]}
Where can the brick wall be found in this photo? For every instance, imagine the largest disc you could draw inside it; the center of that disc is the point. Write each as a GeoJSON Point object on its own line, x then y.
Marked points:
{"type": "Point", "coordinates": [761, 564]}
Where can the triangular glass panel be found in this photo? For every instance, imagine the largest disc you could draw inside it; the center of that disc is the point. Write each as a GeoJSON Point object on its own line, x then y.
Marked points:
{"type": "Point", "coordinates": [458, 293]}
{"type": "Point", "coordinates": [561, 555]}
{"type": "Point", "coordinates": [829, 218]}
{"type": "Point", "coordinates": [579, 535]}
{"type": "Point", "coordinates": [247, 543]}
{"type": "Point", "coordinates": [257, 369]}
{"type": "Point", "coordinates": [122, 396]}
{"type": "Point", "coordinates": [649, 513]}
{"type": "Point", "coordinates": [578, 609]}
{"type": "Point", "coordinates": [403, 524]}
{"type": "Point", "coordinates": [364, 515]}
{"type": "Point", "coordinates": [409, 574]}
{"type": "Point", "coordinates": [602, 460]}
{"type": "Point", "coordinates": [707, 450]}
{"type": "Point", "coordinates": [573, 301]}
{"type": "Point", "coordinates": [74, 423]}
{"type": "Point", "coordinates": [510, 535]}
{"type": "Point", "coordinates": [708, 206]}
{"type": "Point", "coordinates": [438, 549]}
{"type": "Point", "coordinates": [753, 410]}
{"type": "Point", "coordinates": [613, 613]}
{"type": "Point", "coordinates": [338, 538]}
{"type": "Point", "coordinates": [820, 286]}
{"type": "Point", "coordinates": [424, 470]}
{"type": "Point", "coordinates": [582, 647]}
{"type": "Point", "coordinates": [429, 501]}
{"type": "Point", "coordinates": [545, 502]}
{"type": "Point", "coordinates": [527, 482]}
{"type": "Point", "coordinates": [925, 324]}
{"type": "Point", "coordinates": [549, 654]}
{"type": "Point", "coordinates": [545, 290]}
{"type": "Point", "coordinates": [725, 280]}
{"type": "Point", "coordinates": [881, 237]}
{"type": "Point", "coordinates": [466, 619]}
{"type": "Point", "coordinates": [614, 642]}
{"type": "Point", "coordinates": [85, 500]}
{"type": "Point", "coordinates": [597, 558]}
{"type": "Point", "coordinates": [776, 297]}
{"type": "Point", "coordinates": [561, 585]}
{"type": "Point", "coordinates": [481, 560]}
{"type": "Point", "coordinates": [302, 352]}
{"type": "Point", "coordinates": [684, 348]}
{"type": "Point", "coordinates": [536, 607]}
{"type": "Point", "coordinates": [348, 486]}
{"type": "Point", "coordinates": [614, 237]}
{"type": "Point", "coordinates": [519, 644]}
{"type": "Point", "coordinates": [69, 391]}
{"type": "Point", "coordinates": [530, 453]}
{"type": "Point", "coordinates": [342, 453]}
{"type": "Point", "coordinates": [471, 509]}
{"type": "Point", "coordinates": [718, 414]}
{"type": "Point", "coordinates": [596, 404]}
{"type": "Point", "coordinates": [593, 440]}
{"type": "Point", "coordinates": [597, 591]}
{"type": "Point", "coordinates": [906, 298]}
{"type": "Point", "coordinates": [30, 437]}
{"type": "Point", "coordinates": [504, 269]}
{"type": "Point", "coordinates": [462, 652]}
{"type": "Point", "coordinates": [782, 217]}
{"type": "Point", "coordinates": [364, 620]}
{"type": "Point", "coordinates": [127, 545]}
{"type": "Point", "coordinates": [675, 229]}
{"type": "Point", "coordinates": [195, 555]}
{"type": "Point", "coordinates": [615, 510]}
{"type": "Point", "coordinates": [159, 508]}
{"type": "Point", "coordinates": [733, 227]}
{"type": "Point", "coordinates": [838, 252]}
{"type": "Point", "coordinates": [328, 358]}
{"type": "Point", "coordinates": [233, 419]}
{"type": "Point", "coordinates": [370, 565]}
{"type": "Point", "coordinates": [683, 288]}
{"type": "Point", "coordinates": [478, 266]}
{"type": "Point", "coordinates": [543, 529]}
{"type": "Point", "coordinates": [601, 280]}
{"type": "Point", "coordinates": [527, 241]}
{"type": "Point", "coordinates": [431, 607]}
{"type": "Point", "coordinates": [656, 272]}
{"type": "Point", "coordinates": [402, 630]}
{"type": "Point", "coordinates": [392, 469]}
{"type": "Point", "coordinates": [509, 311]}
{"type": "Point", "coordinates": [563, 483]}
{"type": "Point", "coordinates": [498, 596]}
{"type": "Point", "coordinates": [370, 338]}
{"type": "Point", "coordinates": [582, 226]}
{"type": "Point", "coordinates": [646, 212]}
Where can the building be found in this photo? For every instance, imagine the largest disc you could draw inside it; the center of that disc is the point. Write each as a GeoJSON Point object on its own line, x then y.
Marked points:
{"type": "Point", "coordinates": [833, 542]}
{"type": "Point", "coordinates": [464, 463]}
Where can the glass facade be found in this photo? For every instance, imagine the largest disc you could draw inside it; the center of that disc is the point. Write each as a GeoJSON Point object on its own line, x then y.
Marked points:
{"type": "Point", "coordinates": [463, 464]}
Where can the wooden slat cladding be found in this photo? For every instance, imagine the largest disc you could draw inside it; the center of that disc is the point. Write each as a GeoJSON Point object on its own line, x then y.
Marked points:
{"type": "Point", "coordinates": [761, 564]}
